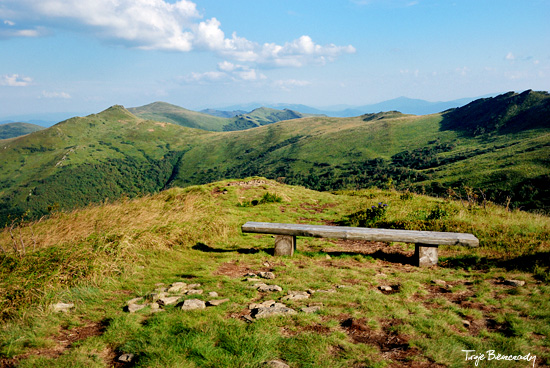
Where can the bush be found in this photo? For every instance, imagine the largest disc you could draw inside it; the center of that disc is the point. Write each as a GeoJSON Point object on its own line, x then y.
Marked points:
{"type": "Point", "coordinates": [368, 216]}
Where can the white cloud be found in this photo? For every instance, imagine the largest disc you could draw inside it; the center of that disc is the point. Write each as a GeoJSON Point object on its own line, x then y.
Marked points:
{"type": "Point", "coordinates": [55, 95]}
{"type": "Point", "coordinates": [226, 72]}
{"type": "Point", "coordinates": [15, 80]}
{"type": "Point", "coordinates": [287, 84]}
{"type": "Point", "coordinates": [510, 56]}
{"type": "Point", "coordinates": [158, 25]}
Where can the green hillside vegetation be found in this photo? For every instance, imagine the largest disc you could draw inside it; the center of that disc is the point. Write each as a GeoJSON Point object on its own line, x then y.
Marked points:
{"type": "Point", "coordinates": [114, 153]}
{"type": "Point", "coordinates": [100, 257]}
{"type": "Point", "coordinates": [12, 130]}
{"type": "Point", "coordinates": [161, 111]}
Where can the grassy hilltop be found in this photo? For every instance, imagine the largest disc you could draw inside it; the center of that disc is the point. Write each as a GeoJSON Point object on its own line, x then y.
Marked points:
{"type": "Point", "coordinates": [100, 257]}
{"type": "Point", "coordinates": [11, 130]}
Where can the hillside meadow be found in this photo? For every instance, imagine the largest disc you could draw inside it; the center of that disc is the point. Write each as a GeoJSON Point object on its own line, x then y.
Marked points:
{"type": "Point", "coordinates": [101, 256]}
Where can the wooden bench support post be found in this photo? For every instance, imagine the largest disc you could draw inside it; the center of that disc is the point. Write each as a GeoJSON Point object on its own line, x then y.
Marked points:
{"type": "Point", "coordinates": [425, 255]}
{"type": "Point", "coordinates": [284, 245]}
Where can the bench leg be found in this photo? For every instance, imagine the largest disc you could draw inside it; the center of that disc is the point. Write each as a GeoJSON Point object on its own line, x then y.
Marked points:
{"type": "Point", "coordinates": [284, 245]}
{"type": "Point", "coordinates": [425, 255]}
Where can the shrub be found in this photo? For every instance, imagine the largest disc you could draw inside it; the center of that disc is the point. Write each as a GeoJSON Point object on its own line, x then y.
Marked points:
{"type": "Point", "coordinates": [368, 216]}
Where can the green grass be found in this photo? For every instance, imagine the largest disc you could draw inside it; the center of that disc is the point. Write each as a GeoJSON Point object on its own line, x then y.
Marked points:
{"type": "Point", "coordinates": [102, 256]}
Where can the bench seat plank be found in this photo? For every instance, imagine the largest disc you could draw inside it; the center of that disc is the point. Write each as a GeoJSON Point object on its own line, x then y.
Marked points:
{"type": "Point", "coordinates": [359, 233]}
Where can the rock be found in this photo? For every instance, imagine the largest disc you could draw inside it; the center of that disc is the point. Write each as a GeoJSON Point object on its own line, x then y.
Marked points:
{"type": "Point", "coordinates": [126, 358]}
{"type": "Point", "coordinates": [311, 309]}
{"type": "Point", "coordinates": [194, 292]}
{"type": "Point", "coordinates": [250, 274]}
{"type": "Point", "coordinates": [177, 287]}
{"type": "Point", "coordinates": [193, 286]}
{"type": "Point", "coordinates": [248, 318]}
{"type": "Point", "coordinates": [269, 288]}
{"type": "Point", "coordinates": [215, 303]}
{"type": "Point", "coordinates": [267, 264]}
{"type": "Point", "coordinates": [168, 300]}
{"type": "Point", "coordinates": [381, 274]}
{"type": "Point", "coordinates": [514, 282]}
{"type": "Point", "coordinates": [153, 297]}
{"type": "Point", "coordinates": [266, 304]}
{"type": "Point", "coordinates": [341, 286]}
{"type": "Point", "coordinates": [160, 290]}
{"type": "Point", "coordinates": [276, 309]}
{"type": "Point", "coordinates": [191, 304]}
{"type": "Point", "coordinates": [267, 275]}
{"type": "Point", "coordinates": [296, 295]}
{"type": "Point", "coordinates": [252, 279]}
{"type": "Point", "coordinates": [132, 308]}
{"type": "Point", "coordinates": [328, 257]}
{"type": "Point", "coordinates": [276, 364]}
{"type": "Point", "coordinates": [255, 286]}
{"type": "Point", "coordinates": [326, 291]}
{"type": "Point", "coordinates": [385, 288]}
{"type": "Point", "coordinates": [310, 291]}
{"type": "Point", "coordinates": [62, 307]}
{"type": "Point", "coordinates": [439, 282]}
{"type": "Point", "coordinates": [134, 301]}
{"type": "Point", "coordinates": [466, 323]}
{"type": "Point", "coordinates": [213, 294]}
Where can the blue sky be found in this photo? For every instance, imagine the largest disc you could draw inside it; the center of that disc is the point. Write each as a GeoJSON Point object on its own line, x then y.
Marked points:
{"type": "Point", "coordinates": [84, 56]}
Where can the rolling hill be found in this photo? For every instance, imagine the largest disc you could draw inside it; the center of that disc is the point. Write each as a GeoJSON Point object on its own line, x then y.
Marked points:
{"type": "Point", "coordinates": [11, 130]}
{"type": "Point", "coordinates": [162, 111]}
{"type": "Point", "coordinates": [115, 153]}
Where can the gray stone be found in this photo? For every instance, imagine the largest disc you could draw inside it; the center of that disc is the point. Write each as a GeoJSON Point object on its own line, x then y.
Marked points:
{"type": "Point", "coordinates": [466, 323]}
{"type": "Point", "coordinates": [267, 275]}
{"type": "Point", "coordinates": [134, 301]}
{"type": "Point", "coordinates": [284, 245]}
{"type": "Point", "coordinates": [153, 297]}
{"type": "Point", "coordinates": [296, 295]}
{"type": "Point", "coordinates": [213, 294]}
{"type": "Point", "coordinates": [276, 364]}
{"type": "Point", "coordinates": [215, 303]}
{"type": "Point", "coordinates": [193, 286]}
{"type": "Point", "coordinates": [191, 304]}
{"type": "Point", "coordinates": [266, 304]}
{"type": "Point", "coordinates": [177, 287]}
{"type": "Point", "coordinates": [326, 291]}
{"type": "Point", "coordinates": [62, 307]}
{"type": "Point", "coordinates": [132, 308]}
{"type": "Point", "coordinates": [425, 255]}
{"type": "Point", "coordinates": [269, 288]}
{"type": "Point", "coordinates": [194, 292]}
{"type": "Point", "coordinates": [276, 309]}
{"type": "Point", "coordinates": [126, 358]}
{"type": "Point", "coordinates": [250, 274]}
{"type": "Point", "coordinates": [252, 279]}
{"type": "Point", "coordinates": [313, 309]}
{"type": "Point", "coordinates": [439, 282]}
{"type": "Point", "coordinates": [514, 282]}
{"type": "Point", "coordinates": [385, 288]}
{"type": "Point", "coordinates": [168, 300]}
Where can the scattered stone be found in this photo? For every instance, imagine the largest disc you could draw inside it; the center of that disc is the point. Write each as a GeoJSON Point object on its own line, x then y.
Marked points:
{"type": "Point", "coordinates": [439, 282]}
{"type": "Point", "coordinates": [266, 304]}
{"type": "Point", "coordinates": [267, 275]}
{"type": "Point", "coordinates": [310, 291]}
{"type": "Point", "coordinates": [126, 358]}
{"type": "Point", "coordinates": [248, 318]}
{"type": "Point", "coordinates": [276, 364]}
{"type": "Point", "coordinates": [385, 288]}
{"type": "Point", "coordinates": [134, 301]}
{"type": "Point", "coordinates": [177, 286]}
{"type": "Point", "coordinates": [160, 290]}
{"type": "Point", "coordinates": [194, 292]}
{"type": "Point", "coordinates": [276, 309]}
{"type": "Point", "coordinates": [62, 307]}
{"type": "Point", "coordinates": [132, 308]}
{"type": "Point", "coordinates": [153, 297]}
{"type": "Point", "coordinates": [193, 286]}
{"type": "Point", "coordinates": [328, 257]}
{"type": "Point", "coordinates": [313, 309]}
{"type": "Point", "coordinates": [514, 282]}
{"type": "Point", "coordinates": [252, 279]}
{"type": "Point", "coordinates": [466, 323]}
{"type": "Point", "coordinates": [215, 303]}
{"type": "Point", "coordinates": [155, 306]}
{"type": "Point", "coordinates": [191, 304]}
{"type": "Point", "coordinates": [341, 286]}
{"type": "Point", "coordinates": [296, 295]}
{"type": "Point", "coordinates": [168, 300]}
{"type": "Point", "coordinates": [250, 274]}
{"type": "Point", "coordinates": [213, 294]}
{"type": "Point", "coordinates": [269, 288]}
{"type": "Point", "coordinates": [267, 264]}
{"type": "Point", "coordinates": [381, 274]}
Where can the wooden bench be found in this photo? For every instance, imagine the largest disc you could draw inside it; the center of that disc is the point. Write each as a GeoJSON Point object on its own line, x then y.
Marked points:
{"type": "Point", "coordinates": [426, 251]}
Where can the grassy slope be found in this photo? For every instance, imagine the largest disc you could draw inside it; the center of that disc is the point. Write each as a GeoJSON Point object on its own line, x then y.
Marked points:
{"type": "Point", "coordinates": [101, 256]}
{"type": "Point", "coordinates": [12, 130]}
{"type": "Point", "coordinates": [162, 111]}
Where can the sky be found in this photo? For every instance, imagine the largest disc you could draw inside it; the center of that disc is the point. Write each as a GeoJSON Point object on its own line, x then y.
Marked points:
{"type": "Point", "coordinates": [84, 56]}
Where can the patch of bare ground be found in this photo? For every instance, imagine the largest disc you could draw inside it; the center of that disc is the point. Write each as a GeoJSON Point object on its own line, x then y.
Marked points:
{"type": "Point", "coordinates": [402, 259]}
{"type": "Point", "coordinates": [316, 208]}
{"type": "Point", "coordinates": [62, 342]}
{"type": "Point", "coordinates": [233, 269]}
{"type": "Point", "coordinates": [393, 345]}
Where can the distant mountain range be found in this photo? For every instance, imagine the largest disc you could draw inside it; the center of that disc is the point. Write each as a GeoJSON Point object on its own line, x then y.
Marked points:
{"type": "Point", "coordinates": [11, 130]}
{"type": "Point", "coordinates": [402, 104]}
{"type": "Point", "coordinates": [494, 148]}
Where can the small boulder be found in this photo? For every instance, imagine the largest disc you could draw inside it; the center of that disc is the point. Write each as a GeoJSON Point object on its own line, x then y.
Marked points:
{"type": "Point", "coordinates": [276, 364]}
{"type": "Point", "coordinates": [62, 307]}
{"type": "Point", "coordinates": [193, 286]}
{"type": "Point", "coordinates": [515, 283]}
{"type": "Point", "coordinates": [215, 303]}
{"type": "Point", "coordinates": [168, 300]}
{"type": "Point", "coordinates": [385, 288]}
{"type": "Point", "coordinates": [313, 309]}
{"type": "Point", "coordinates": [132, 308]}
{"type": "Point", "coordinates": [269, 288]}
{"type": "Point", "coordinates": [296, 295]}
{"type": "Point", "coordinates": [126, 358]}
{"type": "Point", "coordinates": [191, 304]}
{"type": "Point", "coordinates": [267, 275]}
{"type": "Point", "coordinates": [276, 309]}
{"type": "Point", "coordinates": [194, 292]}
{"type": "Point", "coordinates": [439, 282]}
{"type": "Point", "coordinates": [266, 304]}
{"type": "Point", "coordinates": [213, 294]}
{"type": "Point", "coordinates": [177, 287]}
